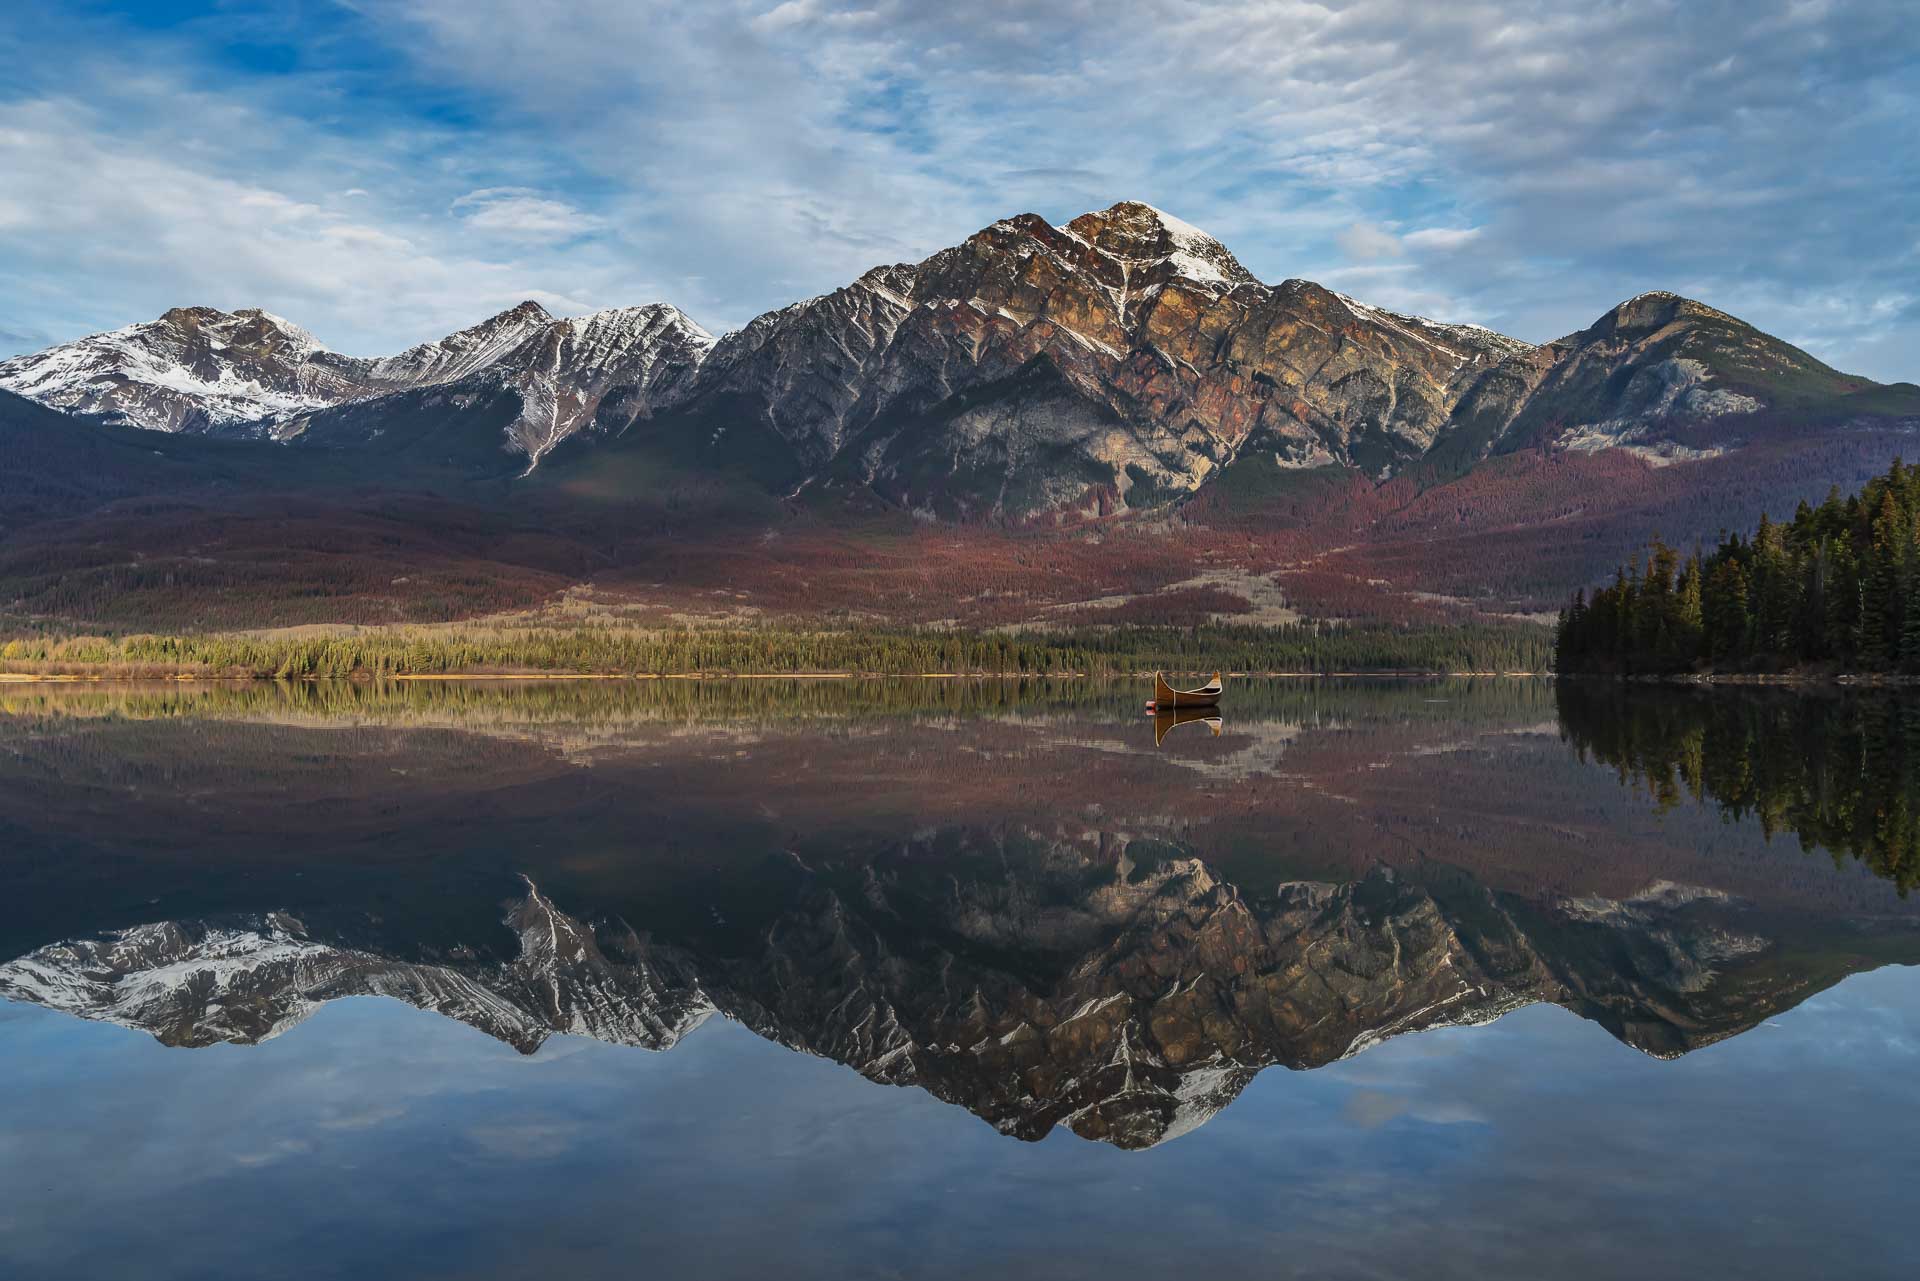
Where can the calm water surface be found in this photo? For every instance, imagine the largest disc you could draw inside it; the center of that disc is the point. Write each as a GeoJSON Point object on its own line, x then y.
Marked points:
{"type": "Point", "coordinates": [952, 980]}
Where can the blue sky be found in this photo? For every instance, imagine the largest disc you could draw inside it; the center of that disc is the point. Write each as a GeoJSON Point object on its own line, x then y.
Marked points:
{"type": "Point", "coordinates": [383, 171]}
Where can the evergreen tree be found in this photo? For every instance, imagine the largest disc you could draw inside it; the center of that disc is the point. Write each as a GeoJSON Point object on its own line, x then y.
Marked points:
{"type": "Point", "coordinates": [1880, 612]}
{"type": "Point", "coordinates": [1726, 615]}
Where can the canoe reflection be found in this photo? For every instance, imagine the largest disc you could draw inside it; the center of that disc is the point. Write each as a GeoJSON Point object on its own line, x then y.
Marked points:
{"type": "Point", "coordinates": [1165, 721]}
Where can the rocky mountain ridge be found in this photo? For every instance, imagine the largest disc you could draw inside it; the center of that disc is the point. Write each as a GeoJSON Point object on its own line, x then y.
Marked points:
{"type": "Point", "coordinates": [252, 374]}
{"type": "Point", "coordinates": [1119, 360]}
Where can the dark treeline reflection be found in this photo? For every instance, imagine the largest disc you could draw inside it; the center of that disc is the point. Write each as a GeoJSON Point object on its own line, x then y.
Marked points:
{"type": "Point", "coordinates": [1839, 769]}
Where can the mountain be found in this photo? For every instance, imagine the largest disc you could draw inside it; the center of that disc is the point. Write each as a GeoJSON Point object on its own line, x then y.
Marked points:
{"type": "Point", "coordinates": [1649, 374]}
{"type": "Point", "coordinates": [192, 370]}
{"type": "Point", "coordinates": [506, 392]}
{"type": "Point", "coordinates": [1121, 360]}
{"type": "Point", "coordinates": [532, 378]}
{"type": "Point", "coordinates": [1114, 361]}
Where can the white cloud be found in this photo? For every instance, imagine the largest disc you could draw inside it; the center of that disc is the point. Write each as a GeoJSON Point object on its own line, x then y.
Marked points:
{"type": "Point", "coordinates": [1441, 239]}
{"type": "Point", "coordinates": [792, 13]}
{"type": "Point", "coordinates": [520, 214]}
{"type": "Point", "coordinates": [1364, 242]}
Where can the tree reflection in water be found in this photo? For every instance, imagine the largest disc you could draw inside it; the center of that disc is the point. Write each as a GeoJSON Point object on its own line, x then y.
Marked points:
{"type": "Point", "coordinates": [1838, 768]}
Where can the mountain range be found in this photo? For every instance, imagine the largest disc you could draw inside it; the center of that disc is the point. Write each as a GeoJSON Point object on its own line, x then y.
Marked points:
{"type": "Point", "coordinates": [1124, 363]}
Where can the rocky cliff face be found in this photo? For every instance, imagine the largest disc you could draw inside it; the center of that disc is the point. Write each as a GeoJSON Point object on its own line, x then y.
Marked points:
{"type": "Point", "coordinates": [1120, 360]}
{"type": "Point", "coordinates": [1127, 1001]}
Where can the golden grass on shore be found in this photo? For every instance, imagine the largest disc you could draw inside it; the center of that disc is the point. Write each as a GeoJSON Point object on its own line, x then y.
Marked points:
{"type": "Point", "coordinates": [504, 653]}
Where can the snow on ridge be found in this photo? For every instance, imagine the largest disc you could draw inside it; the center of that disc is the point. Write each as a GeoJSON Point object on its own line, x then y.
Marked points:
{"type": "Point", "coordinates": [85, 375]}
{"type": "Point", "coordinates": [652, 317]}
{"type": "Point", "coordinates": [1193, 249]}
{"type": "Point", "coordinates": [1474, 337]}
{"type": "Point", "coordinates": [199, 367]}
{"type": "Point", "coordinates": [1198, 269]}
{"type": "Point", "coordinates": [1183, 233]}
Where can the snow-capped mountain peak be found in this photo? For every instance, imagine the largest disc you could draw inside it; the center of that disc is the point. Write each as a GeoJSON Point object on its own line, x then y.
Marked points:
{"type": "Point", "coordinates": [1153, 244]}
{"type": "Point", "coordinates": [193, 369]}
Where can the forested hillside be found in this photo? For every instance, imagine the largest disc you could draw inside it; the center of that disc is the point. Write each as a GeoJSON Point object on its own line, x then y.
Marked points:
{"type": "Point", "coordinates": [1838, 586]}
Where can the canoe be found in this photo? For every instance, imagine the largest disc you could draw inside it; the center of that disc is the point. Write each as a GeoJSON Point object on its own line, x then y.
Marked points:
{"type": "Point", "coordinates": [1166, 696]}
{"type": "Point", "coordinates": [1165, 722]}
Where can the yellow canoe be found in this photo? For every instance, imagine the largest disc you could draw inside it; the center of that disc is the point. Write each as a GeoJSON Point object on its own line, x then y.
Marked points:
{"type": "Point", "coordinates": [1166, 696]}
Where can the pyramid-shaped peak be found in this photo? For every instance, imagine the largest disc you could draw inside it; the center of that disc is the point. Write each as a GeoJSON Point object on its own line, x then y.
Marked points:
{"type": "Point", "coordinates": [528, 310]}
{"type": "Point", "coordinates": [1139, 218]}
{"type": "Point", "coordinates": [1137, 232]}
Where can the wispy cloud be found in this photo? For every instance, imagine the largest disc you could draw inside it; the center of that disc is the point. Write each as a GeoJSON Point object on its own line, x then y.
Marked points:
{"type": "Point", "coordinates": [519, 213]}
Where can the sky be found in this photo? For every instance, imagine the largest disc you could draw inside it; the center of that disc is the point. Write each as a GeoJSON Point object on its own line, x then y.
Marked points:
{"type": "Point", "coordinates": [385, 171]}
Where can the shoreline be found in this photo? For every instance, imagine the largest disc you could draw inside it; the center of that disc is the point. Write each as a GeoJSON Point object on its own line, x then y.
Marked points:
{"type": "Point", "coordinates": [1864, 679]}
{"type": "Point", "coordinates": [191, 678]}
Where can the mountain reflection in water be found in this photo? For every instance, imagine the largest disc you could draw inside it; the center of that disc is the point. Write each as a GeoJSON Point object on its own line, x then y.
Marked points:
{"type": "Point", "coordinates": [1003, 895]}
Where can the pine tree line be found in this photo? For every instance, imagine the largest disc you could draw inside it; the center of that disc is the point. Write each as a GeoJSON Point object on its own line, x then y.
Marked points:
{"type": "Point", "coordinates": [1838, 586]}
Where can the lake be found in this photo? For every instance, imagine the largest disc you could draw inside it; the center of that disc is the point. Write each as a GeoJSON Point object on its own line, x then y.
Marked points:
{"type": "Point", "coordinates": [955, 979]}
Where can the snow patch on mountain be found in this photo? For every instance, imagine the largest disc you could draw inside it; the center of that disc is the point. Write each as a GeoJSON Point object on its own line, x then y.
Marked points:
{"type": "Point", "coordinates": [252, 373]}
